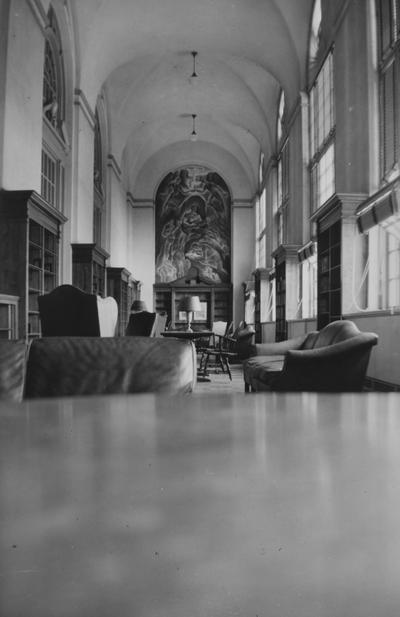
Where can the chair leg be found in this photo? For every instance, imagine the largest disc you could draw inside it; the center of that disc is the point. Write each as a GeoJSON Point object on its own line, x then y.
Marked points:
{"type": "Point", "coordinates": [221, 362]}
{"type": "Point", "coordinates": [228, 368]}
{"type": "Point", "coordinates": [206, 358]}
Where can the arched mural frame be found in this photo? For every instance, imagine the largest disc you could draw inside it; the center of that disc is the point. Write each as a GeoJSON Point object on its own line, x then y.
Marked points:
{"type": "Point", "coordinates": [193, 224]}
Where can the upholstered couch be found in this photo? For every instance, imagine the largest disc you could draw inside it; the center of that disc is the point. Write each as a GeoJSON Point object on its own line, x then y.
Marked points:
{"type": "Point", "coordinates": [75, 366]}
{"type": "Point", "coordinates": [334, 359]}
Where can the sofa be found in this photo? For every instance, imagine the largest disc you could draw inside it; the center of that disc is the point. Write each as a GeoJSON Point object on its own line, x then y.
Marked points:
{"type": "Point", "coordinates": [79, 366]}
{"type": "Point", "coordinates": [334, 359]}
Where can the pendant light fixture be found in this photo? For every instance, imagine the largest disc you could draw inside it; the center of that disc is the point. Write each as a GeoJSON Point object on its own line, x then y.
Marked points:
{"type": "Point", "coordinates": [193, 136]}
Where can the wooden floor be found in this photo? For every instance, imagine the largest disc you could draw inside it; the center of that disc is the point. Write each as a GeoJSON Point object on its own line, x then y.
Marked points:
{"type": "Point", "coordinates": [220, 382]}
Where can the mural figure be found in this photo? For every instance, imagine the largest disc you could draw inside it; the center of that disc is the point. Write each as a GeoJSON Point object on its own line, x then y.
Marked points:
{"type": "Point", "coordinates": [193, 226]}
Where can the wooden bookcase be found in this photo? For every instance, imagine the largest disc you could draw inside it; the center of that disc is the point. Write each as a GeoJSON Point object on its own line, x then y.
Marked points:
{"type": "Point", "coordinates": [89, 268]}
{"type": "Point", "coordinates": [280, 306]}
{"type": "Point", "coordinates": [217, 300]}
{"type": "Point", "coordinates": [260, 279]}
{"type": "Point", "coordinates": [125, 289]}
{"type": "Point", "coordinates": [329, 275]}
{"type": "Point", "coordinates": [8, 316]}
{"type": "Point", "coordinates": [29, 253]}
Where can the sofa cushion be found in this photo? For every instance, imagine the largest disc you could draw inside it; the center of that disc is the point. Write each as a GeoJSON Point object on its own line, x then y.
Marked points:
{"type": "Point", "coordinates": [262, 368]}
{"type": "Point", "coordinates": [73, 366]}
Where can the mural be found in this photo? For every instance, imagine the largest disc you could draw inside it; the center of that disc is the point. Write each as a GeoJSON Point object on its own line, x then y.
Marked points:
{"type": "Point", "coordinates": [193, 227]}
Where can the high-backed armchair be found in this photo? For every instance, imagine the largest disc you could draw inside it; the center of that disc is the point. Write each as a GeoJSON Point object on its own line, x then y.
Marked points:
{"type": "Point", "coordinates": [335, 359]}
{"type": "Point", "coordinates": [69, 311]}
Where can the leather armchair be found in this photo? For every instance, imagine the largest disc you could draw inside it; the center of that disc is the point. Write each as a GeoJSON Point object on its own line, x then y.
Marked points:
{"type": "Point", "coordinates": [335, 359]}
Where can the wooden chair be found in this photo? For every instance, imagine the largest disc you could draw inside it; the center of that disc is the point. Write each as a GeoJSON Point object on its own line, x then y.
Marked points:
{"type": "Point", "coordinates": [229, 347]}
{"type": "Point", "coordinates": [212, 348]}
{"type": "Point", "coordinates": [146, 324]}
{"type": "Point", "coordinates": [140, 324]}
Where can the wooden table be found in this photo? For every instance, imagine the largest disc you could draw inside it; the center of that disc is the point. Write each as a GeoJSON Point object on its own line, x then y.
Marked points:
{"type": "Point", "coordinates": [276, 505]}
{"type": "Point", "coordinates": [187, 334]}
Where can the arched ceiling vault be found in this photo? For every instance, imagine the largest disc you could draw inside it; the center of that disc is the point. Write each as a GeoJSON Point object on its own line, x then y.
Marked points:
{"type": "Point", "coordinates": [138, 52]}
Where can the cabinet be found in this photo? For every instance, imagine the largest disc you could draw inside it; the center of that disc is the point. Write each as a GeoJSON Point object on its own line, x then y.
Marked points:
{"type": "Point", "coordinates": [329, 275]}
{"type": "Point", "coordinates": [125, 289]}
{"type": "Point", "coordinates": [29, 253]}
{"type": "Point", "coordinates": [260, 283]}
{"type": "Point", "coordinates": [216, 303]}
{"type": "Point", "coordinates": [89, 268]}
{"type": "Point", "coordinates": [280, 307]}
{"type": "Point", "coordinates": [8, 317]}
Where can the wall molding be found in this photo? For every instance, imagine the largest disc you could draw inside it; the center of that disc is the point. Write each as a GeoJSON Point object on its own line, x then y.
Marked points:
{"type": "Point", "coordinates": [242, 203]}
{"type": "Point", "coordinates": [136, 202]}
{"type": "Point", "coordinates": [38, 13]}
{"type": "Point", "coordinates": [81, 101]}
{"type": "Point", "coordinates": [113, 165]}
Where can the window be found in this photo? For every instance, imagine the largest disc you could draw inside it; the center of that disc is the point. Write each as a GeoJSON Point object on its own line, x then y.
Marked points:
{"type": "Point", "coordinates": [383, 278]}
{"type": "Point", "coordinates": [322, 135]}
{"type": "Point", "coordinates": [308, 287]}
{"type": "Point", "coordinates": [283, 174]}
{"type": "Point", "coordinates": [389, 86]}
{"type": "Point", "coordinates": [379, 218]}
{"type": "Point", "coordinates": [261, 205]}
{"type": "Point", "coordinates": [55, 140]}
{"type": "Point", "coordinates": [98, 193]}
{"type": "Point", "coordinates": [315, 35]}
{"type": "Point", "coordinates": [283, 192]}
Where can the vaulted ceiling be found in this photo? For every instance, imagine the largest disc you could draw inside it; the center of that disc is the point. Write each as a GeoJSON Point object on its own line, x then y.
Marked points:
{"type": "Point", "coordinates": [139, 54]}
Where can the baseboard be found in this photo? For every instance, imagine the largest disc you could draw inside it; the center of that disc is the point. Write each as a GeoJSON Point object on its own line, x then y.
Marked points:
{"type": "Point", "coordinates": [378, 385]}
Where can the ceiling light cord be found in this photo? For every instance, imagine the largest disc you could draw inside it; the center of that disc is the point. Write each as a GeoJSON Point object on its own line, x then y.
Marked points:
{"type": "Point", "coordinates": [193, 135]}
{"type": "Point", "coordinates": [194, 54]}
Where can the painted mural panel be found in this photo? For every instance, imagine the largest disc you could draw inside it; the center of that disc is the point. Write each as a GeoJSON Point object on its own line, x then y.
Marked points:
{"type": "Point", "coordinates": [193, 226]}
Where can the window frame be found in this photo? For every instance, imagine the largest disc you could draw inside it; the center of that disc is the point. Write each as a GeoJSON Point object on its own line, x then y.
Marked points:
{"type": "Point", "coordinates": [322, 133]}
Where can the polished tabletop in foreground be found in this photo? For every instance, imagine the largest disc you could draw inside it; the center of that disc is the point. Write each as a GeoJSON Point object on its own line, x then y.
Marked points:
{"type": "Point", "coordinates": [208, 506]}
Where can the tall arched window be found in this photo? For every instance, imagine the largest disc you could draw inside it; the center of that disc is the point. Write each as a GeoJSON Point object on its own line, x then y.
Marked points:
{"type": "Point", "coordinates": [261, 206]}
{"type": "Point", "coordinates": [283, 173]}
{"type": "Point", "coordinates": [322, 117]}
{"type": "Point", "coordinates": [389, 86]}
{"type": "Point", "coordinates": [55, 139]}
{"type": "Point", "coordinates": [98, 188]}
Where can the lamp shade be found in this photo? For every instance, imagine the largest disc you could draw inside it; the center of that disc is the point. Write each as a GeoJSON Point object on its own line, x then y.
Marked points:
{"type": "Point", "coordinates": [190, 303]}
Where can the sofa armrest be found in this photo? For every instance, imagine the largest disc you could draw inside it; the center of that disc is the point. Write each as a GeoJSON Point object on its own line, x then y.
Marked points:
{"type": "Point", "coordinates": [339, 367]}
{"type": "Point", "coordinates": [278, 349]}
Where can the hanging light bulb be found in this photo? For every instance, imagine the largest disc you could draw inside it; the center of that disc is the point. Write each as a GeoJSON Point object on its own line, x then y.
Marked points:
{"type": "Point", "coordinates": [193, 135]}
{"type": "Point", "coordinates": [194, 54]}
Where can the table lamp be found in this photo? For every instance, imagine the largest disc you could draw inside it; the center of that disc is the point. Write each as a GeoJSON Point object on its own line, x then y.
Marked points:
{"type": "Point", "coordinates": [189, 304]}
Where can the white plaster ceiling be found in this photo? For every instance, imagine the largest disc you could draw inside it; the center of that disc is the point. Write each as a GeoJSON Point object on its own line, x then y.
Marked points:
{"type": "Point", "coordinates": [138, 53]}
